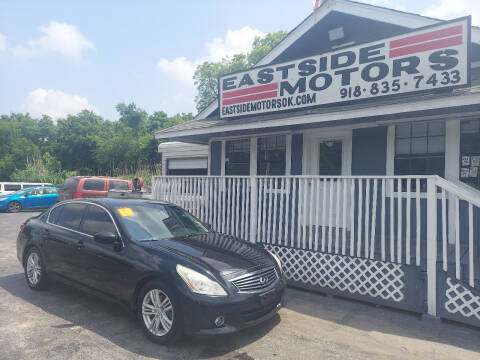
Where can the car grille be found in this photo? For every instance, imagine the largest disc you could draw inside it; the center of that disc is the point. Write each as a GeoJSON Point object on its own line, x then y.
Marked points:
{"type": "Point", "coordinates": [256, 281]}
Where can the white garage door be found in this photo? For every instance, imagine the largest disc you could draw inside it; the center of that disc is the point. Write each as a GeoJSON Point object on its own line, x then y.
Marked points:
{"type": "Point", "coordinates": [192, 163]}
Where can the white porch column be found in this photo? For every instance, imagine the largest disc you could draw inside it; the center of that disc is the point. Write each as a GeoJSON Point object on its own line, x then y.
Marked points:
{"type": "Point", "coordinates": [253, 190]}
{"type": "Point", "coordinates": [390, 166]}
{"type": "Point", "coordinates": [452, 167]}
{"type": "Point", "coordinates": [432, 246]}
{"type": "Point", "coordinates": [452, 149]}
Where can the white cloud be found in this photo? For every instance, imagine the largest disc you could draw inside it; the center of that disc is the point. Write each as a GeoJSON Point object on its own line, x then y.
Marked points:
{"type": "Point", "coordinates": [450, 9]}
{"type": "Point", "coordinates": [58, 37]}
{"type": "Point", "coordinates": [234, 42]}
{"type": "Point", "coordinates": [3, 42]}
{"type": "Point", "coordinates": [54, 103]}
{"type": "Point", "coordinates": [180, 68]}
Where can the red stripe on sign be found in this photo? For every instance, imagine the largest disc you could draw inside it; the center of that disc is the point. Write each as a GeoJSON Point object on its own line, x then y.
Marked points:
{"type": "Point", "coordinates": [437, 34]}
{"type": "Point", "coordinates": [251, 90]}
{"type": "Point", "coordinates": [241, 99]}
{"type": "Point", "coordinates": [432, 45]}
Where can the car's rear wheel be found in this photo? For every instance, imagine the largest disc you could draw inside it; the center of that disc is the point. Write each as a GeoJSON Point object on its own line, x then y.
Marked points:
{"type": "Point", "coordinates": [35, 270]}
{"type": "Point", "coordinates": [14, 206]}
{"type": "Point", "coordinates": [159, 313]}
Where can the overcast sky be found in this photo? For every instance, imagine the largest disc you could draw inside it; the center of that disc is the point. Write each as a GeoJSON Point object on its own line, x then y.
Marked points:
{"type": "Point", "coordinates": [59, 57]}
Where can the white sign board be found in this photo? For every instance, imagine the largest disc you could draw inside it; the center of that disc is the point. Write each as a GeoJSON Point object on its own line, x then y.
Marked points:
{"type": "Point", "coordinates": [430, 58]}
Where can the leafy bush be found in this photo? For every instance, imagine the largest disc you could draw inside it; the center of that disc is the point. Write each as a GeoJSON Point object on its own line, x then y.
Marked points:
{"type": "Point", "coordinates": [41, 169]}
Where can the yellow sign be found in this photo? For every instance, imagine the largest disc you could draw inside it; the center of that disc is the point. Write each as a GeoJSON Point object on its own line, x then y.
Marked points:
{"type": "Point", "coordinates": [125, 212]}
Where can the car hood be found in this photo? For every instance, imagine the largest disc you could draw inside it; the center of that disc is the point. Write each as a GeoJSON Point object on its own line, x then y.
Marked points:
{"type": "Point", "coordinates": [224, 253]}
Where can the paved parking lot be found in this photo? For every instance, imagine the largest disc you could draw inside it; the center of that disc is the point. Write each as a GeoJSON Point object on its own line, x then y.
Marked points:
{"type": "Point", "coordinates": [64, 324]}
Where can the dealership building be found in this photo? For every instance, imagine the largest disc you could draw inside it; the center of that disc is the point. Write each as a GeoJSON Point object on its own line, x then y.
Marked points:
{"type": "Point", "coordinates": [351, 150]}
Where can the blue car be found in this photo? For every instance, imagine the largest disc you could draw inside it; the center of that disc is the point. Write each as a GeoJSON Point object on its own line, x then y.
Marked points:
{"type": "Point", "coordinates": [37, 197]}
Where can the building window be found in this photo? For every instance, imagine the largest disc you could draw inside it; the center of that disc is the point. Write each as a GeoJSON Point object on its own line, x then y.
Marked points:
{"type": "Point", "coordinates": [470, 152]}
{"type": "Point", "coordinates": [420, 148]}
{"type": "Point", "coordinates": [330, 158]}
{"type": "Point", "coordinates": [271, 155]}
{"type": "Point", "coordinates": [237, 157]}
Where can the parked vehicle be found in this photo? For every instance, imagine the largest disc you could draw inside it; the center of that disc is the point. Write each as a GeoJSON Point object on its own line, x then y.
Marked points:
{"type": "Point", "coordinates": [10, 187]}
{"type": "Point", "coordinates": [37, 197]}
{"type": "Point", "coordinates": [176, 274]}
{"type": "Point", "coordinates": [91, 186]}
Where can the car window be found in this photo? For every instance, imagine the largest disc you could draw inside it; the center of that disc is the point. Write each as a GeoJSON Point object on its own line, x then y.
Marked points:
{"type": "Point", "coordinates": [12, 187]}
{"type": "Point", "coordinates": [118, 185]}
{"type": "Point", "coordinates": [71, 216]}
{"type": "Point", "coordinates": [35, 192]}
{"type": "Point", "coordinates": [55, 214]}
{"type": "Point", "coordinates": [93, 185]}
{"type": "Point", "coordinates": [96, 220]}
{"type": "Point", "coordinates": [49, 191]}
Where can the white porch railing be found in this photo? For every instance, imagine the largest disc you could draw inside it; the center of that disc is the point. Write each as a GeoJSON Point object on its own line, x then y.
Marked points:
{"type": "Point", "coordinates": [396, 219]}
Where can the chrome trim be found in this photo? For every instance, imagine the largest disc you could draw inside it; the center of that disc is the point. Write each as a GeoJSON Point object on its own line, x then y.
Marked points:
{"type": "Point", "coordinates": [79, 232]}
{"type": "Point", "coordinates": [250, 274]}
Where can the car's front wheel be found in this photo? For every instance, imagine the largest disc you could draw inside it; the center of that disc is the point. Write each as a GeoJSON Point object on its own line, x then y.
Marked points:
{"type": "Point", "coordinates": [159, 313]}
{"type": "Point", "coordinates": [14, 206]}
{"type": "Point", "coordinates": [35, 270]}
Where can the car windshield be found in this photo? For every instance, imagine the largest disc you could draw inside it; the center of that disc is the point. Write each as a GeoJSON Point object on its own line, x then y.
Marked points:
{"type": "Point", "coordinates": [149, 222]}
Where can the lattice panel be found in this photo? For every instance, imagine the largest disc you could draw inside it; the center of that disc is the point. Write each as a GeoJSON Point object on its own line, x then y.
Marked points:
{"type": "Point", "coordinates": [461, 300]}
{"type": "Point", "coordinates": [344, 273]}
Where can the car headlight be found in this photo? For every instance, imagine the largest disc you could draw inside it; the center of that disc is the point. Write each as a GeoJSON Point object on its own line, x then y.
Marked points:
{"type": "Point", "coordinates": [199, 283]}
{"type": "Point", "coordinates": [277, 259]}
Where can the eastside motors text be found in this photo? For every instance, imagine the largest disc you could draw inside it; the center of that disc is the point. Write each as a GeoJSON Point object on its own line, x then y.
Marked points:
{"type": "Point", "coordinates": [433, 57]}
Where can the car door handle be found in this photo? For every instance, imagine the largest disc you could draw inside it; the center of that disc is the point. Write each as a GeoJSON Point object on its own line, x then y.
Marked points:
{"type": "Point", "coordinates": [80, 245]}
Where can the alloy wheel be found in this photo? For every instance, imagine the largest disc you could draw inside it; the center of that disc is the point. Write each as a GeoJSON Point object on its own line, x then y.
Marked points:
{"type": "Point", "coordinates": [157, 312]}
{"type": "Point", "coordinates": [14, 206]}
{"type": "Point", "coordinates": [34, 269]}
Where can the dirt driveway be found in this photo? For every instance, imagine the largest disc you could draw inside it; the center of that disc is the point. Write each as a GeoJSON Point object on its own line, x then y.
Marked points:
{"type": "Point", "coordinates": [64, 324]}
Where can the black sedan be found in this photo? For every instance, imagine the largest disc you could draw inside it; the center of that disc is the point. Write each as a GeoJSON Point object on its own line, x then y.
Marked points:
{"type": "Point", "coordinates": [176, 274]}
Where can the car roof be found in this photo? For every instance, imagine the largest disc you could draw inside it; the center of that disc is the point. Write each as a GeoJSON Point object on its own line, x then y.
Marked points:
{"type": "Point", "coordinates": [111, 203]}
{"type": "Point", "coordinates": [99, 178]}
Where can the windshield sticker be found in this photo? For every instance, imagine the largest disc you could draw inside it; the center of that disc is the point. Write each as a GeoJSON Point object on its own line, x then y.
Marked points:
{"type": "Point", "coordinates": [125, 212]}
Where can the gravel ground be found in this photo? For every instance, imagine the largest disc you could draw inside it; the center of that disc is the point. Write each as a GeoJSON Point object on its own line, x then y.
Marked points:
{"type": "Point", "coordinates": [62, 323]}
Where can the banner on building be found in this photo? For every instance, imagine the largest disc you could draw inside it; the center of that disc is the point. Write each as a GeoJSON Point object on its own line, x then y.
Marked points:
{"type": "Point", "coordinates": [430, 58]}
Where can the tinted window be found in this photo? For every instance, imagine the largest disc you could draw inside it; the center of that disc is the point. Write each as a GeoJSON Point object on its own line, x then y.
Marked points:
{"type": "Point", "coordinates": [237, 158]}
{"type": "Point", "coordinates": [271, 153]}
{"type": "Point", "coordinates": [10, 187]}
{"type": "Point", "coordinates": [71, 216]}
{"type": "Point", "coordinates": [55, 214]}
{"type": "Point", "coordinates": [118, 185]}
{"type": "Point", "coordinates": [93, 185]}
{"type": "Point", "coordinates": [97, 220]}
{"type": "Point", "coordinates": [50, 191]}
{"type": "Point", "coordinates": [35, 192]}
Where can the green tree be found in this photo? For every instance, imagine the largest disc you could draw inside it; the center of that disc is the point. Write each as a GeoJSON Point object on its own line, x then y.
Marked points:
{"type": "Point", "coordinates": [207, 73]}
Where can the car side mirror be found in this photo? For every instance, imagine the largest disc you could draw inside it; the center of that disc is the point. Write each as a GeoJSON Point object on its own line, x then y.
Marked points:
{"type": "Point", "coordinates": [105, 237]}
{"type": "Point", "coordinates": [208, 226]}
{"type": "Point", "coordinates": [26, 195]}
